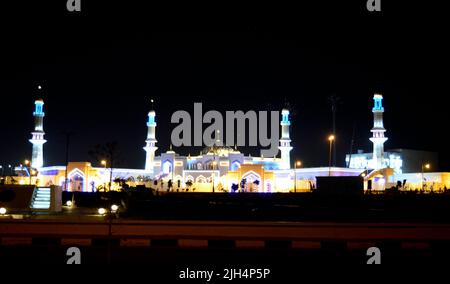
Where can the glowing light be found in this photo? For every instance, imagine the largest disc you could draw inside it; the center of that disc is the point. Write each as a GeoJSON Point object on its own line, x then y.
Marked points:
{"type": "Point", "coordinates": [151, 119]}
{"type": "Point", "coordinates": [114, 208]}
{"type": "Point", "coordinates": [103, 162]}
{"type": "Point", "coordinates": [101, 211]}
{"type": "Point", "coordinates": [378, 106]}
{"type": "Point", "coordinates": [331, 138]}
{"type": "Point", "coordinates": [427, 166]}
{"type": "Point", "coordinates": [285, 117]}
{"type": "Point", "coordinates": [39, 105]}
{"type": "Point", "coordinates": [298, 164]}
{"type": "Point", "coordinates": [3, 211]}
{"type": "Point", "coordinates": [27, 162]}
{"type": "Point", "coordinates": [69, 203]}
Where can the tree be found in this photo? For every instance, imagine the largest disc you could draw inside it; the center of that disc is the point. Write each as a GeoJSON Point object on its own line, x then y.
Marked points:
{"type": "Point", "coordinates": [189, 183]}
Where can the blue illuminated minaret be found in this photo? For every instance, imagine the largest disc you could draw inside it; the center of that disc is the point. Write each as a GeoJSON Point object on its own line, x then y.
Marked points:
{"type": "Point", "coordinates": [150, 147]}
{"type": "Point", "coordinates": [285, 140]}
{"type": "Point", "coordinates": [378, 131]}
{"type": "Point", "coordinates": [37, 139]}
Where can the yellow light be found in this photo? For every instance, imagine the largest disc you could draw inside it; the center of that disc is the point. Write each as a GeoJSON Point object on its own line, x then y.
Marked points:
{"type": "Point", "coordinates": [101, 211]}
{"type": "Point", "coordinates": [427, 166]}
{"type": "Point", "coordinates": [27, 162]}
{"type": "Point", "coordinates": [2, 211]}
{"type": "Point", "coordinates": [363, 174]}
{"type": "Point", "coordinates": [103, 162]}
{"type": "Point", "coordinates": [33, 172]}
{"type": "Point", "coordinates": [298, 163]}
{"type": "Point", "coordinates": [331, 138]}
{"type": "Point", "coordinates": [114, 208]}
{"type": "Point", "coordinates": [69, 203]}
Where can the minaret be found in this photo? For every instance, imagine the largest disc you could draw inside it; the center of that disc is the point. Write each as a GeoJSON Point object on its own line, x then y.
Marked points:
{"type": "Point", "coordinates": [37, 139]}
{"type": "Point", "coordinates": [150, 147]}
{"type": "Point", "coordinates": [285, 140]}
{"type": "Point", "coordinates": [378, 130]}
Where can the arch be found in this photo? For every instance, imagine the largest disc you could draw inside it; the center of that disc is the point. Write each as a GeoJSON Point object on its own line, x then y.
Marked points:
{"type": "Point", "coordinates": [235, 165]}
{"type": "Point", "coordinates": [189, 177]}
{"type": "Point", "coordinates": [252, 175]}
{"type": "Point", "coordinates": [200, 179]}
{"type": "Point", "coordinates": [77, 181]}
{"type": "Point", "coordinates": [167, 167]}
{"type": "Point", "coordinates": [253, 181]}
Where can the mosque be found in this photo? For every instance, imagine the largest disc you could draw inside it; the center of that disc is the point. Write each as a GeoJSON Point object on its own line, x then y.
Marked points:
{"type": "Point", "coordinates": [217, 168]}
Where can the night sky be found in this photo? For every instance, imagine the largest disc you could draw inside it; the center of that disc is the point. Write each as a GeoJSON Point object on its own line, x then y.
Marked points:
{"type": "Point", "coordinates": [99, 70]}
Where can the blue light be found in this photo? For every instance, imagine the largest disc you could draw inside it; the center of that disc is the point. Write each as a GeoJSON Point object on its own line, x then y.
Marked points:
{"type": "Point", "coordinates": [39, 108]}
{"type": "Point", "coordinates": [378, 103]}
{"type": "Point", "coordinates": [285, 117]}
{"type": "Point", "coordinates": [151, 120]}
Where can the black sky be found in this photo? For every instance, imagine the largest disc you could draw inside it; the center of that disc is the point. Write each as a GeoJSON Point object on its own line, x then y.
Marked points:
{"type": "Point", "coordinates": [100, 68]}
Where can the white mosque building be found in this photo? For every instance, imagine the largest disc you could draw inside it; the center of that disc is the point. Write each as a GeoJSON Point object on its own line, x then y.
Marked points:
{"type": "Point", "coordinates": [216, 169]}
{"type": "Point", "coordinates": [219, 168]}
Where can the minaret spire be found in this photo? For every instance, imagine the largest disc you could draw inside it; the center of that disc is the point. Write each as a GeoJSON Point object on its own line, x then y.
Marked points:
{"type": "Point", "coordinates": [150, 143]}
{"type": "Point", "coordinates": [37, 136]}
{"type": "Point", "coordinates": [378, 131]}
{"type": "Point", "coordinates": [285, 140]}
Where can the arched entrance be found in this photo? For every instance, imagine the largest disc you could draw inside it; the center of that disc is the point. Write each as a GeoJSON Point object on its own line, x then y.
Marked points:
{"type": "Point", "coordinates": [76, 181]}
{"type": "Point", "coordinates": [253, 182]}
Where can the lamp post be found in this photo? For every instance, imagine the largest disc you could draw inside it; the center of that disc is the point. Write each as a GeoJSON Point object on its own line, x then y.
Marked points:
{"type": "Point", "coordinates": [214, 166]}
{"type": "Point", "coordinates": [426, 166]}
{"type": "Point", "coordinates": [3, 170]}
{"type": "Point", "coordinates": [296, 165]}
{"type": "Point", "coordinates": [331, 140]}
{"type": "Point", "coordinates": [27, 166]}
{"type": "Point", "coordinates": [103, 162]}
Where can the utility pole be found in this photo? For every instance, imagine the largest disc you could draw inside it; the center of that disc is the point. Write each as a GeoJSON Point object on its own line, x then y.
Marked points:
{"type": "Point", "coordinates": [67, 158]}
{"type": "Point", "coordinates": [334, 100]}
{"type": "Point", "coordinates": [352, 143]}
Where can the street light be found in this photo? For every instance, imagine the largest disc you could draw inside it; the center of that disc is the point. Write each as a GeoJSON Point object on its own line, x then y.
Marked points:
{"type": "Point", "coordinates": [426, 166]}
{"type": "Point", "coordinates": [331, 139]}
{"type": "Point", "coordinates": [297, 164]}
{"type": "Point", "coordinates": [3, 170]}
{"type": "Point", "coordinates": [214, 163]}
{"type": "Point", "coordinates": [103, 162]}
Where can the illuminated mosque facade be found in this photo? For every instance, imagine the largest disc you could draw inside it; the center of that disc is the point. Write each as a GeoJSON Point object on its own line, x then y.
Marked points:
{"type": "Point", "coordinates": [217, 168]}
